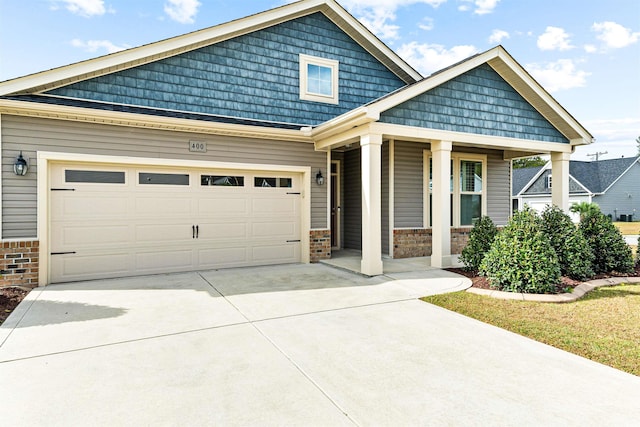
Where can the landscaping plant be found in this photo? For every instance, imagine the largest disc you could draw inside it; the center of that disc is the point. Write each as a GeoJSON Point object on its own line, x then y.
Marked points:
{"type": "Point", "coordinates": [575, 256]}
{"type": "Point", "coordinates": [612, 254]}
{"type": "Point", "coordinates": [480, 239]}
{"type": "Point", "coordinates": [521, 258]}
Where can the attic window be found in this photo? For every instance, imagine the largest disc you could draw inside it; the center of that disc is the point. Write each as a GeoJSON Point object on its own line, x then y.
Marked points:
{"type": "Point", "coordinates": [318, 79]}
{"type": "Point", "coordinates": [549, 181]}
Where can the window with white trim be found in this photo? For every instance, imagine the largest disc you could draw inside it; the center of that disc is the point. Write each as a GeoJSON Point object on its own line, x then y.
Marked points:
{"type": "Point", "coordinates": [468, 192]}
{"type": "Point", "coordinates": [549, 181]}
{"type": "Point", "coordinates": [318, 79]}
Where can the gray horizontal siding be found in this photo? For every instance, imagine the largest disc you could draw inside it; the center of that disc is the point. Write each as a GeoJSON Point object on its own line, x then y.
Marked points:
{"type": "Point", "coordinates": [498, 188]}
{"type": "Point", "coordinates": [408, 185]}
{"type": "Point", "coordinates": [254, 76]}
{"type": "Point", "coordinates": [479, 101]}
{"type": "Point", "coordinates": [19, 198]}
{"type": "Point", "coordinates": [616, 200]}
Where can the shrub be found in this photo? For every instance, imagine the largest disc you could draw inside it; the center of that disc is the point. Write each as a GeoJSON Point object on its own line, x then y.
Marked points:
{"type": "Point", "coordinates": [612, 254]}
{"type": "Point", "coordinates": [521, 258]}
{"type": "Point", "coordinates": [574, 253]}
{"type": "Point", "coordinates": [482, 235]}
{"type": "Point", "coordinates": [584, 208]}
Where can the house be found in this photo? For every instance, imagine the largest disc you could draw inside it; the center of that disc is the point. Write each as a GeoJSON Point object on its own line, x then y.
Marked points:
{"type": "Point", "coordinates": [276, 138]}
{"type": "Point", "coordinates": [613, 184]}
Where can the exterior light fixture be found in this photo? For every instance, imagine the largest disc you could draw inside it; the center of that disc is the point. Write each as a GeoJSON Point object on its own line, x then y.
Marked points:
{"type": "Point", "coordinates": [319, 178]}
{"type": "Point", "coordinates": [20, 166]}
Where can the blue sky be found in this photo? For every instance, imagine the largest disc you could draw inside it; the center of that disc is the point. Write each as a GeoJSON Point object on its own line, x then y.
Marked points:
{"type": "Point", "coordinates": [586, 53]}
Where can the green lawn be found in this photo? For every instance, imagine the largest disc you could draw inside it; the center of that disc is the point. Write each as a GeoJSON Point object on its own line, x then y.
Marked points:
{"type": "Point", "coordinates": [603, 326]}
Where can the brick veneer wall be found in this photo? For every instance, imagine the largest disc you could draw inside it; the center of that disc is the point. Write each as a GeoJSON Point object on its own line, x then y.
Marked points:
{"type": "Point", "coordinates": [19, 263]}
{"type": "Point", "coordinates": [320, 245]}
{"type": "Point", "coordinates": [416, 242]}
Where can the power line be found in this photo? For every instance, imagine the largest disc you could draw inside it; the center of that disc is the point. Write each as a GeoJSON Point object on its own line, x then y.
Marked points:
{"type": "Point", "coordinates": [597, 154]}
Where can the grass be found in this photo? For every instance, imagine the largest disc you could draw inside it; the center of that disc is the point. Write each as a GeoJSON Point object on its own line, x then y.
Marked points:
{"type": "Point", "coordinates": [603, 326]}
{"type": "Point", "coordinates": [628, 228]}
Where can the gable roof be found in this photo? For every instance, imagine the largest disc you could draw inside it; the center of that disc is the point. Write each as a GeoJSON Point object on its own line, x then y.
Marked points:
{"type": "Point", "coordinates": [498, 59]}
{"type": "Point", "coordinates": [596, 177]}
{"type": "Point", "coordinates": [523, 177]}
{"type": "Point", "coordinates": [61, 76]}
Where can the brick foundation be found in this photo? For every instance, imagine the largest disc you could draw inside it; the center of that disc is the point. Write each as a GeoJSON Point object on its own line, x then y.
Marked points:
{"type": "Point", "coordinates": [319, 245]}
{"type": "Point", "coordinates": [416, 242]}
{"type": "Point", "coordinates": [19, 263]}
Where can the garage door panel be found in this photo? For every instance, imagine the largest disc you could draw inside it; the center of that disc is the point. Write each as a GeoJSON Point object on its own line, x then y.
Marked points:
{"type": "Point", "coordinates": [288, 252]}
{"type": "Point", "coordinates": [69, 235]}
{"type": "Point", "coordinates": [93, 266]}
{"type": "Point", "coordinates": [223, 207]}
{"type": "Point", "coordinates": [220, 257]}
{"type": "Point", "coordinates": [164, 260]}
{"type": "Point", "coordinates": [132, 229]}
{"type": "Point", "coordinates": [79, 204]}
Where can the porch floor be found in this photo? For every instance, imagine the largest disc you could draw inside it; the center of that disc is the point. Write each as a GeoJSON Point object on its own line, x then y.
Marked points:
{"type": "Point", "coordinates": [349, 259]}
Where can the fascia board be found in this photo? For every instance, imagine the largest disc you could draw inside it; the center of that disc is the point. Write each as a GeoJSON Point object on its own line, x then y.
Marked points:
{"type": "Point", "coordinates": [63, 112]}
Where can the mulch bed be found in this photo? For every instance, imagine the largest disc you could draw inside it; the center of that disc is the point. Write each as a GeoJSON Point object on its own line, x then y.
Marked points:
{"type": "Point", "coordinates": [9, 300]}
{"type": "Point", "coordinates": [562, 287]}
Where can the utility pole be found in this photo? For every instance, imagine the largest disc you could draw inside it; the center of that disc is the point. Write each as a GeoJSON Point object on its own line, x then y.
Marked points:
{"type": "Point", "coordinates": [597, 154]}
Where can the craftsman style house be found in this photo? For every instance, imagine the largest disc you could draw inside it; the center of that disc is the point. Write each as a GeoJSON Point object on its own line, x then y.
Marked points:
{"type": "Point", "coordinates": [276, 138]}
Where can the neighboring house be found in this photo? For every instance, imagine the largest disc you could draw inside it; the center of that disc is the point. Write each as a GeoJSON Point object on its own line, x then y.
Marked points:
{"type": "Point", "coordinates": [276, 138]}
{"type": "Point", "coordinates": [613, 184]}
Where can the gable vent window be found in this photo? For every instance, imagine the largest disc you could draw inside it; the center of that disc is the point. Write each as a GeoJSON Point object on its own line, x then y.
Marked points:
{"type": "Point", "coordinates": [549, 181]}
{"type": "Point", "coordinates": [318, 79]}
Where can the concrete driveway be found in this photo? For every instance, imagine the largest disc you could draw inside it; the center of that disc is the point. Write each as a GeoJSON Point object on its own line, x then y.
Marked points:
{"type": "Point", "coordinates": [286, 345]}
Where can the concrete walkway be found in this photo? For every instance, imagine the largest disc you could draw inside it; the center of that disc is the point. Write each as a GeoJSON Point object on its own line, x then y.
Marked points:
{"type": "Point", "coordinates": [287, 345]}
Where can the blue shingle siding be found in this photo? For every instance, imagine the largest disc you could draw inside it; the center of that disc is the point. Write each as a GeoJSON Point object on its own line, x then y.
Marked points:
{"type": "Point", "coordinates": [254, 76]}
{"type": "Point", "coordinates": [479, 101]}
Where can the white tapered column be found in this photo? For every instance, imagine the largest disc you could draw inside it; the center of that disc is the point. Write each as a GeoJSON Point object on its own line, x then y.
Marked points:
{"type": "Point", "coordinates": [371, 152]}
{"type": "Point", "coordinates": [560, 180]}
{"type": "Point", "coordinates": [441, 209]}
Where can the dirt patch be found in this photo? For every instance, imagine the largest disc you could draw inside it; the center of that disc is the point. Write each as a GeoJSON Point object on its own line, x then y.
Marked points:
{"type": "Point", "coordinates": [9, 300]}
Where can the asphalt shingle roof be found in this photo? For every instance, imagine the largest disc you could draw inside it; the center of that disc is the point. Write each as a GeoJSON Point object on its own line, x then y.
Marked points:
{"type": "Point", "coordinates": [521, 177]}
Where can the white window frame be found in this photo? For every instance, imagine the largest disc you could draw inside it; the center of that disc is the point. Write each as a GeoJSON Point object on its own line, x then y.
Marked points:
{"type": "Point", "coordinates": [549, 181]}
{"type": "Point", "coordinates": [457, 158]}
{"type": "Point", "coordinates": [306, 60]}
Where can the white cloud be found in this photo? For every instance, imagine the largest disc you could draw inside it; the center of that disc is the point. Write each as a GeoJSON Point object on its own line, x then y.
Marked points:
{"type": "Point", "coordinates": [589, 48]}
{"type": "Point", "coordinates": [482, 7]}
{"type": "Point", "coordinates": [94, 45]}
{"type": "Point", "coordinates": [378, 15]}
{"type": "Point", "coordinates": [427, 24]}
{"type": "Point", "coordinates": [86, 8]}
{"type": "Point", "coordinates": [554, 38]}
{"type": "Point", "coordinates": [615, 136]}
{"type": "Point", "coordinates": [559, 75]}
{"type": "Point", "coordinates": [428, 58]}
{"type": "Point", "coordinates": [182, 11]}
{"type": "Point", "coordinates": [497, 36]}
{"type": "Point", "coordinates": [614, 35]}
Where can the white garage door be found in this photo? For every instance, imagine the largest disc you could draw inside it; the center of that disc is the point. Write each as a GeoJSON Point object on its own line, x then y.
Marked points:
{"type": "Point", "coordinates": [111, 221]}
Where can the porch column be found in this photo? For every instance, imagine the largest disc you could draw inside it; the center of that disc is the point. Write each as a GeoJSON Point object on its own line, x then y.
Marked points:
{"type": "Point", "coordinates": [441, 209]}
{"type": "Point", "coordinates": [560, 180]}
{"type": "Point", "coordinates": [371, 152]}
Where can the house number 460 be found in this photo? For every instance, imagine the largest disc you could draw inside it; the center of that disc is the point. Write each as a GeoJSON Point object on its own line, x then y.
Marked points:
{"type": "Point", "coordinates": [198, 146]}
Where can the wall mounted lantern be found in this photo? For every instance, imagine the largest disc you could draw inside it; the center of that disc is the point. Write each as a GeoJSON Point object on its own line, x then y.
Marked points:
{"type": "Point", "coordinates": [319, 178]}
{"type": "Point", "coordinates": [20, 166]}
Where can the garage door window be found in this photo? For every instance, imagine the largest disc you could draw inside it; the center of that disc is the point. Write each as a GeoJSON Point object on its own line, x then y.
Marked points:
{"type": "Point", "coordinates": [272, 182]}
{"type": "Point", "coordinates": [94, 177]}
{"type": "Point", "coordinates": [222, 181]}
{"type": "Point", "coordinates": [163, 178]}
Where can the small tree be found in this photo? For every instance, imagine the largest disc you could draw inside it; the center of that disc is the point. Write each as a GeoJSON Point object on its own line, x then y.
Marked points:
{"type": "Point", "coordinates": [583, 208]}
{"type": "Point", "coordinates": [529, 162]}
{"type": "Point", "coordinates": [480, 239]}
{"type": "Point", "coordinates": [574, 253]}
{"type": "Point", "coordinates": [521, 258]}
{"type": "Point", "coordinates": [612, 254]}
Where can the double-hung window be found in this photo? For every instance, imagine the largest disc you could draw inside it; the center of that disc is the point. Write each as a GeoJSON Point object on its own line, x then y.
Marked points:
{"type": "Point", "coordinates": [468, 190]}
{"type": "Point", "coordinates": [318, 79]}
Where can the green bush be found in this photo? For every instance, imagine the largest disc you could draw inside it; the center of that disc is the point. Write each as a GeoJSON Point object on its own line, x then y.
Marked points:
{"type": "Point", "coordinates": [521, 258]}
{"type": "Point", "coordinates": [574, 253]}
{"type": "Point", "coordinates": [612, 254]}
{"type": "Point", "coordinates": [480, 239]}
